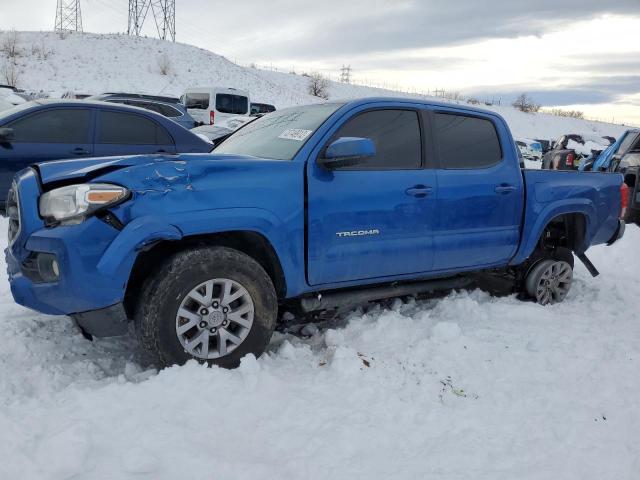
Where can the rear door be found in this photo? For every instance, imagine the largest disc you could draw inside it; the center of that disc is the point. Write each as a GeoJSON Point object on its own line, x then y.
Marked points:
{"type": "Point", "coordinates": [228, 105]}
{"type": "Point", "coordinates": [123, 133]}
{"type": "Point", "coordinates": [50, 134]}
{"type": "Point", "coordinates": [374, 219]}
{"type": "Point", "coordinates": [480, 192]}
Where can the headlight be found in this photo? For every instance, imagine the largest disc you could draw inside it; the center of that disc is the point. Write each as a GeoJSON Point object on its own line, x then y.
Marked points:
{"type": "Point", "coordinates": [74, 203]}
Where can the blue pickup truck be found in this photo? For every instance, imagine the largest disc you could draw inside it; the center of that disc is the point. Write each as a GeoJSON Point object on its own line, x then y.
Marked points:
{"type": "Point", "coordinates": [313, 207]}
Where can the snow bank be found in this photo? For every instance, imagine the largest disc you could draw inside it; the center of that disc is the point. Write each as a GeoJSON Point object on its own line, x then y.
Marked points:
{"type": "Point", "coordinates": [93, 63]}
{"type": "Point", "coordinates": [467, 386]}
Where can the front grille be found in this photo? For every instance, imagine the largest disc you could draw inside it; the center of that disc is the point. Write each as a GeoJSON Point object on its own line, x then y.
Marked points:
{"type": "Point", "coordinates": [13, 212]}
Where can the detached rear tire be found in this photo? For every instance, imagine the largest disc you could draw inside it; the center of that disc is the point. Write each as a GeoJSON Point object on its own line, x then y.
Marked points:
{"type": "Point", "coordinates": [211, 304]}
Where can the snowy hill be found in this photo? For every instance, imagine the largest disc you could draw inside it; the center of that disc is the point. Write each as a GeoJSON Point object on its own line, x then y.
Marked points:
{"type": "Point", "coordinates": [95, 63]}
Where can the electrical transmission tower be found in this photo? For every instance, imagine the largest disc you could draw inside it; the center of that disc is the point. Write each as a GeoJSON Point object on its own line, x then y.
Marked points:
{"type": "Point", "coordinates": [68, 16]}
{"type": "Point", "coordinates": [164, 14]}
{"type": "Point", "coordinates": [345, 74]}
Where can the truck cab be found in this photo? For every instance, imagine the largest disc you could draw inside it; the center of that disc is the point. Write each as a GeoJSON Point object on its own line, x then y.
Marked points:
{"type": "Point", "coordinates": [317, 207]}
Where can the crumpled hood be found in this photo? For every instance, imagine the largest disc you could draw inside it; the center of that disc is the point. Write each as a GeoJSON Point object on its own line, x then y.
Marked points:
{"type": "Point", "coordinates": [89, 168]}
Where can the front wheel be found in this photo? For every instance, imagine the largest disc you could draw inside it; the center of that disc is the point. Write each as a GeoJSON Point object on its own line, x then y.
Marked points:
{"type": "Point", "coordinates": [211, 304]}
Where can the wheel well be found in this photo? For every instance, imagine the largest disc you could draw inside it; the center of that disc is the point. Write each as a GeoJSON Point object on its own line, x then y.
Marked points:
{"type": "Point", "coordinates": [567, 230]}
{"type": "Point", "coordinates": [251, 243]}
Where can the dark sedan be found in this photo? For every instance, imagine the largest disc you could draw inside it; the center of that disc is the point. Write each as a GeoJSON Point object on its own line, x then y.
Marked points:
{"type": "Point", "coordinates": [52, 130]}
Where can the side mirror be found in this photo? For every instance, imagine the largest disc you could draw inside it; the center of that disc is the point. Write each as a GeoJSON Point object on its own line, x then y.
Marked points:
{"type": "Point", "coordinates": [347, 152]}
{"type": "Point", "coordinates": [6, 135]}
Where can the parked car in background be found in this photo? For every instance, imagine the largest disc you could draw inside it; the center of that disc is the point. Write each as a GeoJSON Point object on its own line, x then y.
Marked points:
{"type": "Point", "coordinates": [314, 207]}
{"type": "Point", "coordinates": [5, 105]}
{"type": "Point", "coordinates": [261, 108]}
{"type": "Point", "coordinates": [210, 105]}
{"type": "Point", "coordinates": [627, 162]}
{"type": "Point", "coordinates": [45, 130]}
{"type": "Point", "coordinates": [17, 91]}
{"type": "Point", "coordinates": [218, 132]}
{"type": "Point", "coordinates": [615, 151]}
{"type": "Point", "coordinates": [71, 95]}
{"type": "Point", "coordinates": [570, 150]}
{"type": "Point", "coordinates": [165, 106]}
{"type": "Point", "coordinates": [11, 95]}
{"type": "Point", "coordinates": [139, 96]}
{"type": "Point", "coordinates": [546, 144]}
{"type": "Point", "coordinates": [213, 133]}
{"type": "Point", "coordinates": [530, 149]}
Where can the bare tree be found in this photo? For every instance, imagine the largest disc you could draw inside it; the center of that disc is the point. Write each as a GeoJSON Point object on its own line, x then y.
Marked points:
{"type": "Point", "coordinates": [10, 45]}
{"type": "Point", "coordinates": [524, 103]}
{"type": "Point", "coordinates": [164, 64]}
{"type": "Point", "coordinates": [10, 73]}
{"type": "Point", "coordinates": [318, 85]}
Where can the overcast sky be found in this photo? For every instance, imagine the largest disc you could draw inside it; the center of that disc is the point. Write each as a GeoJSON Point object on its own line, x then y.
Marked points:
{"type": "Point", "coordinates": [576, 54]}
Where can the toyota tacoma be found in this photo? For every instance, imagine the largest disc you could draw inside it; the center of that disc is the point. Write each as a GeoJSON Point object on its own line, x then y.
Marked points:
{"type": "Point", "coordinates": [318, 207]}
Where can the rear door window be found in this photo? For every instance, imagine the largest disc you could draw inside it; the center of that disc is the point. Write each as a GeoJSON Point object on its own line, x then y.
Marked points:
{"type": "Point", "coordinates": [71, 125]}
{"type": "Point", "coordinates": [234, 104]}
{"type": "Point", "coordinates": [466, 142]}
{"type": "Point", "coordinates": [396, 135]}
{"type": "Point", "coordinates": [130, 129]}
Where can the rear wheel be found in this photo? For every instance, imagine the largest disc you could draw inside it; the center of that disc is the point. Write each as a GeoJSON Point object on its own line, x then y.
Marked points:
{"type": "Point", "coordinates": [549, 281]}
{"type": "Point", "coordinates": [211, 304]}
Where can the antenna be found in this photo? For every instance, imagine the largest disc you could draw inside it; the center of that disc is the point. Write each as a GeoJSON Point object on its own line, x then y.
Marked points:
{"type": "Point", "coordinates": [164, 15]}
{"type": "Point", "coordinates": [68, 16]}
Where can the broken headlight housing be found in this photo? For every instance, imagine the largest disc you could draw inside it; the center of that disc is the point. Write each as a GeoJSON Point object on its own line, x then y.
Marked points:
{"type": "Point", "coordinates": [71, 205]}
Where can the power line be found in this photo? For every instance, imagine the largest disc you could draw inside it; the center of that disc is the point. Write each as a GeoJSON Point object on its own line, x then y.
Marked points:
{"type": "Point", "coordinates": [164, 15]}
{"type": "Point", "coordinates": [68, 16]}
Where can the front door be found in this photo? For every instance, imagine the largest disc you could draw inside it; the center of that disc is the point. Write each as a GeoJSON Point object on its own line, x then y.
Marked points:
{"type": "Point", "coordinates": [373, 220]}
{"type": "Point", "coordinates": [51, 134]}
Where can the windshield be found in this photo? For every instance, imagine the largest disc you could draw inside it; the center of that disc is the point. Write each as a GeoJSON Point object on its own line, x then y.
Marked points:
{"type": "Point", "coordinates": [278, 135]}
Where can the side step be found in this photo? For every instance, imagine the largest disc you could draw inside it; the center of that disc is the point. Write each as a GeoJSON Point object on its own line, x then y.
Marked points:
{"type": "Point", "coordinates": [348, 298]}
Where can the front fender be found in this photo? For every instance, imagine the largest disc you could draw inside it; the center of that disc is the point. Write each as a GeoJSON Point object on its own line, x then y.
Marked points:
{"type": "Point", "coordinates": [286, 235]}
{"type": "Point", "coordinates": [133, 237]}
{"type": "Point", "coordinates": [536, 222]}
{"type": "Point", "coordinates": [123, 250]}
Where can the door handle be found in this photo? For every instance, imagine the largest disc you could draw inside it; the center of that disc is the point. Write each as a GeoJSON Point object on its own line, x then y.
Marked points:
{"type": "Point", "coordinates": [505, 189]}
{"type": "Point", "coordinates": [80, 151]}
{"type": "Point", "coordinates": [419, 191]}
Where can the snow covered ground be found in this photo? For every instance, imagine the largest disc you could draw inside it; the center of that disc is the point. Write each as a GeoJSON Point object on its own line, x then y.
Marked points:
{"type": "Point", "coordinates": [93, 63]}
{"type": "Point", "coordinates": [463, 387]}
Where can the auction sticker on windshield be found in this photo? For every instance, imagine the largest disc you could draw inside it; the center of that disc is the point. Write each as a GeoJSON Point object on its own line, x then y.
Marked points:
{"type": "Point", "coordinates": [298, 134]}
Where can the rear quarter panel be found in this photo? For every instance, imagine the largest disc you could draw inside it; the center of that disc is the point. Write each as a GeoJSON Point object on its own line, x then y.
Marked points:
{"type": "Point", "coordinates": [550, 193]}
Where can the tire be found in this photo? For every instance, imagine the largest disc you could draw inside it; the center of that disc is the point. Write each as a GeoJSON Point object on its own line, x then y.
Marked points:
{"type": "Point", "coordinates": [172, 312]}
{"type": "Point", "coordinates": [564, 254]}
{"type": "Point", "coordinates": [549, 281]}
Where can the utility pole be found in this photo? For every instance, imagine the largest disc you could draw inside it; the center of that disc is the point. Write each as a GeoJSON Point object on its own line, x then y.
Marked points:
{"type": "Point", "coordinates": [345, 74]}
{"type": "Point", "coordinates": [164, 15]}
{"type": "Point", "coordinates": [68, 16]}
